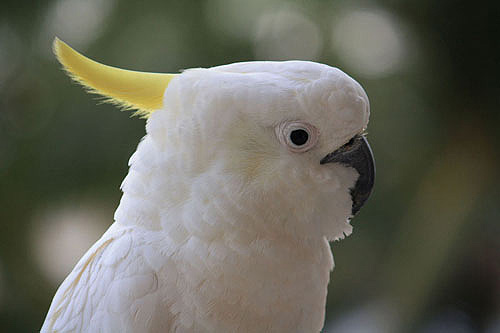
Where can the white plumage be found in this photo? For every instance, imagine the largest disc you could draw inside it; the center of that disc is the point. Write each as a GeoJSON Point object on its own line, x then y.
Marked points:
{"type": "Point", "coordinates": [221, 228]}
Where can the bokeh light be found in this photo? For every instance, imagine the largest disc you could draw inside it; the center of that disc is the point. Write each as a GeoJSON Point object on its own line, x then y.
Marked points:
{"type": "Point", "coordinates": [75, 20]}
{"type": "Point", "coordinates": [236, 18]}
{"type": "Point", "coordinates": [62, 234]}
{"type": "Point", "coordinates": [287, 34]}
{"type": "Point", "coordinates": [369, 42]}
{"type": "Point", "coordinates": [373, 317]}
{"type": "Point", "coordinates": [450, 321]}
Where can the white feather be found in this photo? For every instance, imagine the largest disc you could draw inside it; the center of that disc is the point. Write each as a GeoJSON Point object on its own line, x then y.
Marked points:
{"type": "Point", "coordinates": [221, 228]}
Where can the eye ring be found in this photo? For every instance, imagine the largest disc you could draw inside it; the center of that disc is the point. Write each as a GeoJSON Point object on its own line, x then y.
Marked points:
{"type": "Point", "coordinates": [297, 136]}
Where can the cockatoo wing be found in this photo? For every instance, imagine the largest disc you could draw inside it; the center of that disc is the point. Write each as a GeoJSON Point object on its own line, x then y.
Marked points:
{"type": "Point", "coordinates": [113, 288]}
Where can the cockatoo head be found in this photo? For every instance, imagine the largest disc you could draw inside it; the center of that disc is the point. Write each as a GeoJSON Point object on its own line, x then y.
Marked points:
{"type": "Point", "coordinates": [281, 141]}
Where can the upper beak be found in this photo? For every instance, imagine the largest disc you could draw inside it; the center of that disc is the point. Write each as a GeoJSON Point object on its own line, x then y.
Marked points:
{"type": "Point", "coordinates": [358, 155]}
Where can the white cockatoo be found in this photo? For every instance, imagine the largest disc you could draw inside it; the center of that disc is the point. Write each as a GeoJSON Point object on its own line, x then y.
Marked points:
{"type": "Point", "coordinates": [246, 172]}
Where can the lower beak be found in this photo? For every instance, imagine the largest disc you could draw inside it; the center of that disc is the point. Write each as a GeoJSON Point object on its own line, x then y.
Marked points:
{"type": "Point", "coordinates": [356, 154]}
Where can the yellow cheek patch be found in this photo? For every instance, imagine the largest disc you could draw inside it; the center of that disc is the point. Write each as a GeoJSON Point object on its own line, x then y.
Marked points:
{"type": "Point", "coordinates": [130, 90]}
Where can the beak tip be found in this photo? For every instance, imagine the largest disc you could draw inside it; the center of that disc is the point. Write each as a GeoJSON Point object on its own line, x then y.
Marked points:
{"type": "Point", "coordinates": [366, 180]}
{"type": "Point", "coordinates": [357, 155]}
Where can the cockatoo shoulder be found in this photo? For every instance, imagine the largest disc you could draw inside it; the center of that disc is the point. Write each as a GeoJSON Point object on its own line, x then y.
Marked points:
{"type": "Point", "coordinates": [113, 288]}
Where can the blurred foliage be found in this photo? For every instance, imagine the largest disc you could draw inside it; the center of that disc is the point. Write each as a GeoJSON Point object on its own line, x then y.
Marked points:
{"type": "Point", "coordinates": [425, 248]}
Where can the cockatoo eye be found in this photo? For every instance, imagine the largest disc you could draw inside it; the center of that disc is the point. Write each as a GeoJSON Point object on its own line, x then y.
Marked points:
{"type": "Point", "coordinates": [297, 136]}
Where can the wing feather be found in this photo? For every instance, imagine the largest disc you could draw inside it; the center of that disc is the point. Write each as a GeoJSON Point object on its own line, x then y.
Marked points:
{"type": "Point", "coordinates": [113, 288]}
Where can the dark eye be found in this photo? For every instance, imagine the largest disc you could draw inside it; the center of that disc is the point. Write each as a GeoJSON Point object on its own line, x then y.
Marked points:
{"type": "Point", "coordinates": [299, 137]}
{"type": "Point", "coordinates": [296, 135]}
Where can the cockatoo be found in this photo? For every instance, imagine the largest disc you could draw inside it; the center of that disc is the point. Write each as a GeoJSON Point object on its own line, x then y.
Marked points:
{"type": "Point", "coordinates": [246, 172]}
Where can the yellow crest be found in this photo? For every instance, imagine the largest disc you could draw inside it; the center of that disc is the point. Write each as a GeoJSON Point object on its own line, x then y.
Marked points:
{"type": "Point", "coordinates": [128, 89]}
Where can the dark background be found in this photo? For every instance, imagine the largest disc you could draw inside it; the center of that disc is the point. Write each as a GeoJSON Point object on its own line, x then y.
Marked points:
{"type": "Point", "coordinates": [424, 255]}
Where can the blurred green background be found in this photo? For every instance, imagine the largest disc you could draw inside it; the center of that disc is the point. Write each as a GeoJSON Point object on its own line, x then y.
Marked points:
{"type": "Point", "coordinates": [424, 255]}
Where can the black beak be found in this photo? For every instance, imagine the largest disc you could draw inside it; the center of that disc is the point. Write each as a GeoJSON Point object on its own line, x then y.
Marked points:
{"type": "Point", "coordinates": [356, 154]}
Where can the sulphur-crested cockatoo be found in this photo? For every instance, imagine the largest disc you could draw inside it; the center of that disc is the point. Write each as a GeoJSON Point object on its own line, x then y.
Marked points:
{"type": "Point", "coordinates": [246, 171]}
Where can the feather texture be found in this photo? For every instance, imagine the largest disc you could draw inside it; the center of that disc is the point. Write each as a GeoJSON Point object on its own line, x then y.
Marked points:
{"type": "Point", "coordinates": [127, 89]}
{"type": "Point", "coordinates": [220, 227]}
{"type": "Point", "coordinates": [112, 289]}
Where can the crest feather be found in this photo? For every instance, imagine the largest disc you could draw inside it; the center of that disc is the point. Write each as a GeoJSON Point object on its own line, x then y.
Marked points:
{"type": "Point", "coordinates": [130, 90]}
